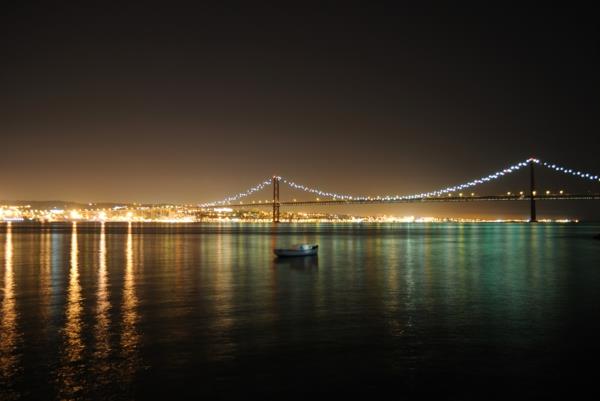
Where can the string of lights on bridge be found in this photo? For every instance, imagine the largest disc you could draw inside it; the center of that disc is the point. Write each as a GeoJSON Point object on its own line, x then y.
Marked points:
{"type": "Point", "coordinates": [239, 196]}
{"type": "Point", "coordinates": [436, 193]}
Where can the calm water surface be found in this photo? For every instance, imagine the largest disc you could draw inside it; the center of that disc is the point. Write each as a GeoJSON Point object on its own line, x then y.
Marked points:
{"type": "Point", "coordinates": [147, 311]}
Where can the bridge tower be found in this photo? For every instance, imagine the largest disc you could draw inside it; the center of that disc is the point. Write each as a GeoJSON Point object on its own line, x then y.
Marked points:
{"type": "Point", "coordinates": [275, 182]}
{"type": "Point", "coordinates": [532, 193]}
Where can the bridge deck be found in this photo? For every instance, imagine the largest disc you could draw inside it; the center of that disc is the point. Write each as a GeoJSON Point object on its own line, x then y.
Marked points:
{"type": "Point", "coordinates": [551, 197]}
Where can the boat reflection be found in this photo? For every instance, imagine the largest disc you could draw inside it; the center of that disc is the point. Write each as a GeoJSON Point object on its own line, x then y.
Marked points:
{"type": "Point", "coordinates": [305, 263]}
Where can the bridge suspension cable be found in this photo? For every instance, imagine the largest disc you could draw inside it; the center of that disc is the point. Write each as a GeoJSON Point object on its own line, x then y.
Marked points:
{"type": "Point", "coordinates": [438, 192]}
{"type": "Point", "coordinates": [239, 196]}
{"type": "Point", "coordinates": [570, 171]}
{"type": "Point", "coordinates": [443, 191]}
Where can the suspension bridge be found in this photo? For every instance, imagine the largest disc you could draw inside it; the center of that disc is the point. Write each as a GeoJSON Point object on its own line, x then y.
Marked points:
{"type": "Point", "coordinates": [456, 193]}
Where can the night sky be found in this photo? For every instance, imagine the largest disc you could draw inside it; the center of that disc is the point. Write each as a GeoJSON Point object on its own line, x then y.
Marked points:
{"type": "Point", "coordinates": [163, 104]}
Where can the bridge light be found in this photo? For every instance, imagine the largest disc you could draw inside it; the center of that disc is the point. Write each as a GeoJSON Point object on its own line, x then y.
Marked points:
{"type": "Point", "coordinates": [547, 192]}
{"type": "Point", "coordinates": [561, 191]}
{"type": "Point", "coordinates": [521, 193]}
{"type": "Point", "coordinates": [508, 193]}
{"type": "Point", "coordinates": [438, 193]}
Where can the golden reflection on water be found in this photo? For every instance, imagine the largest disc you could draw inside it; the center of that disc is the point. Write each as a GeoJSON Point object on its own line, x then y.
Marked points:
{"type": "Point", "coordinates": [44, 277]}
{"type": "Point", "coordinates": [69, 383]}
{"type": "Point", "coordinates": [102, 326]}
{"type": "Point", "coordinates": [129, 336]}
{"type": "Point", "coordinates": [223, 283]}
{"type": "Point", "coordinates": [9, 360]}
{"type": "Point", "coordinates": [223, 298]}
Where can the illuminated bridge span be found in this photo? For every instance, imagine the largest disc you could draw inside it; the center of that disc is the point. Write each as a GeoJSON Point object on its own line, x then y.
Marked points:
{"type": "Point", "coordinates": [456, 193]}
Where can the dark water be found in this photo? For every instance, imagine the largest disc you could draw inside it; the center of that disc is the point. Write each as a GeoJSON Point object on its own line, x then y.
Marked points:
{"type": "Point", "coordinates": [458, 310]}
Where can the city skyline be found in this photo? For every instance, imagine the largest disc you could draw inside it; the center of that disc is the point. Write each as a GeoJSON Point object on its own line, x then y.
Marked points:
{"type": "Point", "coordinates": [314, 199]}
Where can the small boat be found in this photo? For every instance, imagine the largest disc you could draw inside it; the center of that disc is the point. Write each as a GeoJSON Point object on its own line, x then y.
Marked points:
{"type": "Point", "coordinates": [297, 250]}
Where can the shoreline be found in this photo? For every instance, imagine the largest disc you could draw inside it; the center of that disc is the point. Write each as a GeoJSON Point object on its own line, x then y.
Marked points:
{"type": "Point", "coordinates": [268, 222]}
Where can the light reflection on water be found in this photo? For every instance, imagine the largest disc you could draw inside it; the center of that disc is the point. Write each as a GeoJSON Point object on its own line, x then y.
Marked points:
{"type": "Point", "coordinates": [70, 375]}
{"type": "Point", "coordinates": [9, 337]}
{"type": "Point", "coordinates": [129, 335]}
{"type": "Point", "coordinates": [45, 277]}
{"type": "Point", "coordinates": [101, 362]}
{"type": "Point", "coordinates": [124, 311]}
